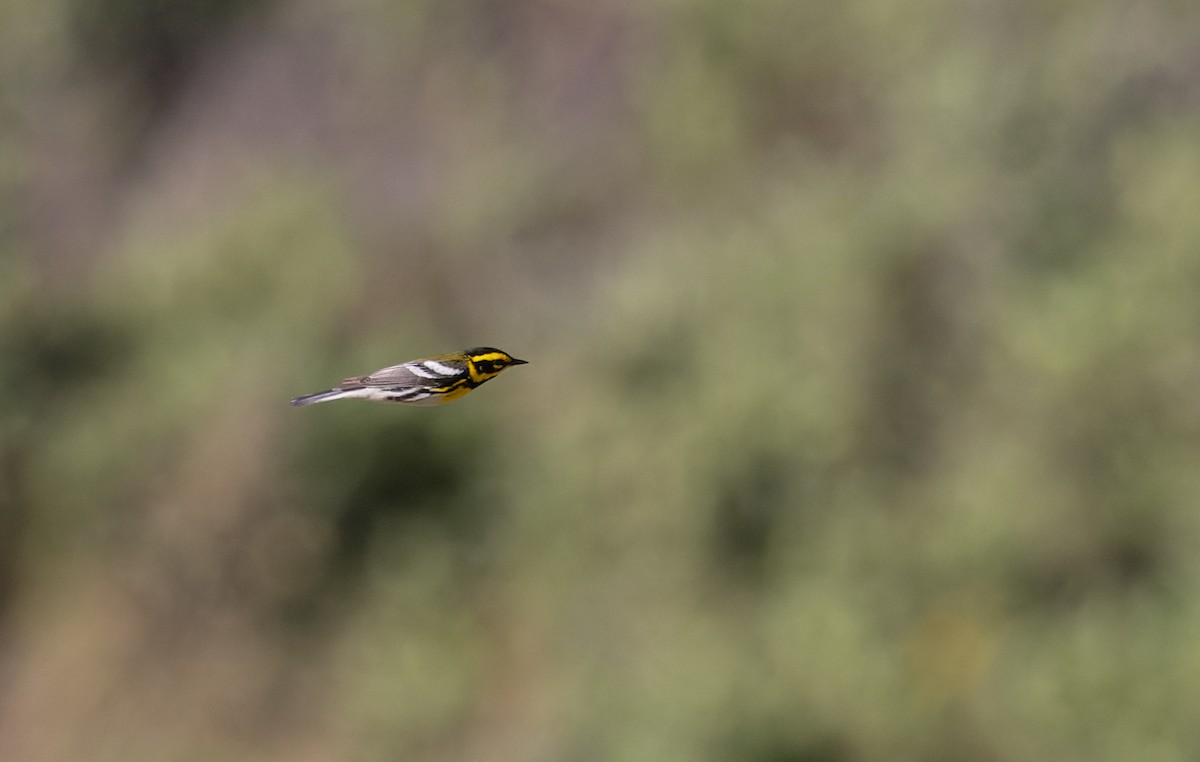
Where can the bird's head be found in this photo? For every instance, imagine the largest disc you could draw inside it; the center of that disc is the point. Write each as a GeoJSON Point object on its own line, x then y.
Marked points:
{"type": "Point", "coordinates": [489, 361]}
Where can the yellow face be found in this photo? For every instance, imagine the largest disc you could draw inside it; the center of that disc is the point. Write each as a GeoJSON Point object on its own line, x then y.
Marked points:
{"type": "Point", "coordinates": [485, 363]}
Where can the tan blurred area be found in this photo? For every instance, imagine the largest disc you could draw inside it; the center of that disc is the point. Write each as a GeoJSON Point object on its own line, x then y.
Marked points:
{"type": "Point", "coordinates": [861, 421]}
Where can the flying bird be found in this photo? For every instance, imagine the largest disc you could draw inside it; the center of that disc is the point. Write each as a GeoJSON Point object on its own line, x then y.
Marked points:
{"type": "Point", "coordinates": [426, 381]}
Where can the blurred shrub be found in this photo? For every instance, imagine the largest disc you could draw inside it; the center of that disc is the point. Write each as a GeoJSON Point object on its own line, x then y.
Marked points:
{"type": "Point", "coordinates": [860, 422]}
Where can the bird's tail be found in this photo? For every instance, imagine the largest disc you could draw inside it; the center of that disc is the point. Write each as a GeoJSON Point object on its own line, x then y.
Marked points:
{"type": "Point", "coordinates": [325, 396]}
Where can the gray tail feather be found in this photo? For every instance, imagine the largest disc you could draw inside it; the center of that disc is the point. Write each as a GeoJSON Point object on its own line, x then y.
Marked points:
{"type": "Point", "coordinates": [312, 399]}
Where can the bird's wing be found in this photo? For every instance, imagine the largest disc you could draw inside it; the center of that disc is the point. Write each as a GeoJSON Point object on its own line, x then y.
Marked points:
{"type": "Point", "coordinates": [414, 373]}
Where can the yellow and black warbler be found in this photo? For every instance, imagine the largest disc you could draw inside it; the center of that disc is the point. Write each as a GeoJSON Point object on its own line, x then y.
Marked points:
{"type": "Point", "coordinates": [425, 381]}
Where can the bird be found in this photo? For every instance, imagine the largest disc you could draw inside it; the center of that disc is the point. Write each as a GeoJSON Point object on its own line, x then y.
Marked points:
{"type": "Point", "coordinates": [424, 382]}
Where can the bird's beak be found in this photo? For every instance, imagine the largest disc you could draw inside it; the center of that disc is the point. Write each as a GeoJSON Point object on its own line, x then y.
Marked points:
{"type": "Point", "coordinates": [515, 361]}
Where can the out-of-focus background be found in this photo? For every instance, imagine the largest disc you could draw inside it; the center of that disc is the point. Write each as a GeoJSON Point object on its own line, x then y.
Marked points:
{"type": "Point", "coordinates": [862, 421]}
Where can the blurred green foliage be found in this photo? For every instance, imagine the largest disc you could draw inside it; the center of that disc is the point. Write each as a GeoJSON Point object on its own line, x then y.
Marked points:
{"type": "Point", "coordinates": [861, 419]}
